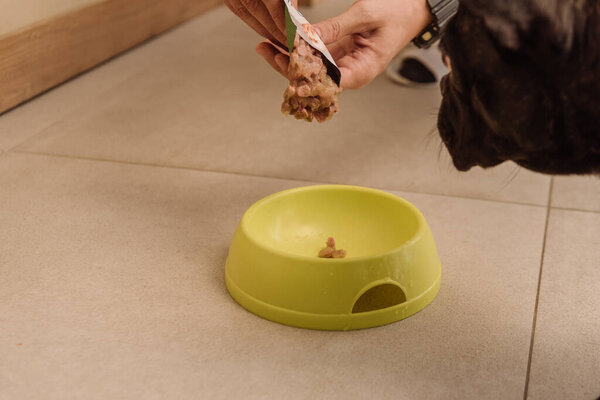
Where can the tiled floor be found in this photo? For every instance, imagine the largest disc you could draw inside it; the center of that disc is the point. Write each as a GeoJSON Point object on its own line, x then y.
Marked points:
{"type": "Point", "coordinates": [120, 191]}
{"type": "Point", "coordinates": [566, 353]}
{"type": "Point", "coordinates": [577, 193]}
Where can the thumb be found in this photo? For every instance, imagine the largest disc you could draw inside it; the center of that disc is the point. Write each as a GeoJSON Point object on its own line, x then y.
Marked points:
{"type": "Point", "coordinates": [353, 20]}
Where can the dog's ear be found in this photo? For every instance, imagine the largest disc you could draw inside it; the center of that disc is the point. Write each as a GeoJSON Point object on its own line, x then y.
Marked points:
{"type": "Point", "coordinates": [505, 20]}
{"type": "Point", "coordinates": [514, 23]}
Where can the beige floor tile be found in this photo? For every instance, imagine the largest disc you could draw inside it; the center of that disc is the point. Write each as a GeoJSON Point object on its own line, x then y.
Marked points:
{"type": "Point", "coordinates": [21, 123]}
{"type": "Point", "coordinates": [566, 352]}
{"type": "Point", "coordinates": [207, 101]}
{"type": "Point", "coordinates": [112, 285]}
{"type": "Point", "coordinates": [24, 122]}
{"type": "Point", "coordinates": [84, 92]}
{"type": "Point", "coordinates": [577, 192]}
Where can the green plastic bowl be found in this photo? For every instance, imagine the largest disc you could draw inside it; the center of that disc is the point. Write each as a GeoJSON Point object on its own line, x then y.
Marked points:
{"type": "Point", "coordinates": [391, 270]}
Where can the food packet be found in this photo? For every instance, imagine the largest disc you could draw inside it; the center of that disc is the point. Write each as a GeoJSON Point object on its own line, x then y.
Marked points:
{"type": "Point", "coordinates": [295, 23]}
{"type": "Point", "coordinates": [314, 77]}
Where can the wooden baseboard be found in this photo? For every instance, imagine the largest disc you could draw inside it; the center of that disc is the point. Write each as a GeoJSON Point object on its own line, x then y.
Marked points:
{"type": "Point", "coordinates": [44, 55]}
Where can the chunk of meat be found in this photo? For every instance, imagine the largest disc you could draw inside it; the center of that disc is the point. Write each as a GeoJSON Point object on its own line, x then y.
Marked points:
{"type": "Point", "coordinates": [327, 252]}
{"type": "Point", "coordinates": [330, 251]}
{"type": "Point", "coordinates": [311, 92]}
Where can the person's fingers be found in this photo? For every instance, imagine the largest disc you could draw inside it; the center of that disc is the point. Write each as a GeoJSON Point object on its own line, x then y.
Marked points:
{"type": "Point", "coordinates": [341, 47]}
{"type": "Point", "coordinates": [241, 12]}
{"type": "Point", "coordinates": [354, 20]}
{"type": "Point", "coordinates": [264, 50]}
{"type": "Point", "coordinates": [353, 78]}
{"type": "Point", "coordinates": [279, 47]}
{"type": "Point", "coordinates": [260, 12]}
{"type": "Point", "coordinates": [283, 61]}
{"type": "Point", "coordinates": [336, 50]}
{"type": "Point", "coordinates": [277, 10]}
{"type": "Point", "coordinates": [358, 68]}
{"type": "Point", "coordinates": [269, 53]}
{"type": "Point", "coordinates": [349, 79]}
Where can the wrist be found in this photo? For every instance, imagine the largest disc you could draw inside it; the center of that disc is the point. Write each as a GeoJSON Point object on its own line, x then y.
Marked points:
{"type": "Point", "coordinates": [421, 16]}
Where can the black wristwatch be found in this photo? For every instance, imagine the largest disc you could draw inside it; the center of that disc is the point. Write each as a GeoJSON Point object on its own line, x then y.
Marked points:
{"type": "Point", "coordinates": [442, 11]}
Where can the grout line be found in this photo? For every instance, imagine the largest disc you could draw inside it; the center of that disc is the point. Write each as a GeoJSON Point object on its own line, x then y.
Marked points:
{"type": "Point", "coordinates": [537, 295]}
{"type": "Point", "coordinates": [575, 209]}
{"type": "Point", "coordinates": [143, 164]}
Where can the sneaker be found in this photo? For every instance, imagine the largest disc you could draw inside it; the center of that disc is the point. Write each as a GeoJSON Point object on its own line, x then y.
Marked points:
{"type": "Point", "coordinates": [417, 67]}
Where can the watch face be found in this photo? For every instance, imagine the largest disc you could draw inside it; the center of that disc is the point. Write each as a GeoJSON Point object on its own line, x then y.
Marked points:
{"type": "Point", "coordinates": [429, 36]}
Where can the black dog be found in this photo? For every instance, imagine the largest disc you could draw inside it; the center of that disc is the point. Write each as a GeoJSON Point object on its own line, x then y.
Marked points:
{"type": "Point", "coordinates": [524, 85]}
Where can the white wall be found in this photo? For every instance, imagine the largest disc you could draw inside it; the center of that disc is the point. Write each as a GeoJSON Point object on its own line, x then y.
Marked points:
{"type": "Point", "coordinates": [17, 14]}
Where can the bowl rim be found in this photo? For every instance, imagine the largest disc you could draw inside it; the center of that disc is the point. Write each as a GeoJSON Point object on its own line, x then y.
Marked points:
{"type": "Point", "coordinates": [415, 237]}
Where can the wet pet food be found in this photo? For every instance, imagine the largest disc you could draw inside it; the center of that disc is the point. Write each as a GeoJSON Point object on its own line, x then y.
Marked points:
{"type": "Point", "coordinates": [330, 251]}
{"type": "Point", "coordinates": [311, 92]}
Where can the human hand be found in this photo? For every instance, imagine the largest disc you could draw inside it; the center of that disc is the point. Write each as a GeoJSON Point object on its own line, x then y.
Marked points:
{"type": "Point", "coordinates": [266, 17]}
{"type": "Point", "coordinates": [364, 39]}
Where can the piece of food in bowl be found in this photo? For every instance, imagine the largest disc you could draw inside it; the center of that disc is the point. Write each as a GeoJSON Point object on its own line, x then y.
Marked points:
{"type": "Point", "coordinates": [311, 92]}
{"type": "Point", "coordinates": [330, 251]}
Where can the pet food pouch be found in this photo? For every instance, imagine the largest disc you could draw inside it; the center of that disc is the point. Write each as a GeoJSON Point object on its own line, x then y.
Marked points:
{"type": "Point", "coordinates": [295, 23]}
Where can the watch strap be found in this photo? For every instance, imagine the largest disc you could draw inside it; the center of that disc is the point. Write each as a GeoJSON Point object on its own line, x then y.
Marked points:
{"type": "Point", "coordinates": [442, 11]}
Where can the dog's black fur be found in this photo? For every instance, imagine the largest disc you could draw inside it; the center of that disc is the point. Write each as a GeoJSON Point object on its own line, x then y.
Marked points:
{"type": "Point", "coordinates": [524, 85]}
